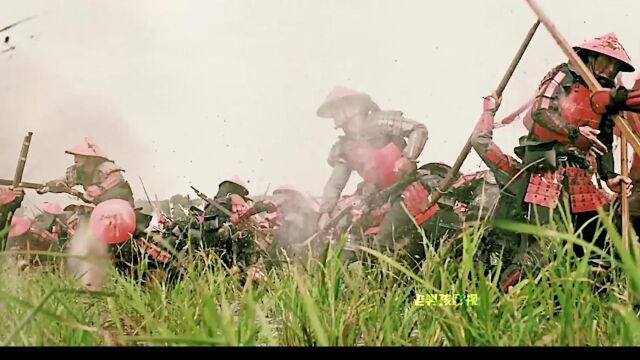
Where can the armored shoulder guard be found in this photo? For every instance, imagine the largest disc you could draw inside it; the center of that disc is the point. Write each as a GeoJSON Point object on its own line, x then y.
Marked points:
{"type": "Point", "coordinates": [394, 124]}
{"type": "Point", "coordinates": [71, 176]}
{"type": "Point", "coordinates": [561, 75]}
{"type": "Point", "coordinates": [108, 167]}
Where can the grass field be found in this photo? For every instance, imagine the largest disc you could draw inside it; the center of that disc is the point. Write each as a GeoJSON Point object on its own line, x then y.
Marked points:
{"type": "Point", "coordinates": [330, 303]}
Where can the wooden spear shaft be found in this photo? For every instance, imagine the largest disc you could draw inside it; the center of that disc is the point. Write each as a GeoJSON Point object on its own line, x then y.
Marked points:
{"type": "Point", "coordinates": [626, 212]}
{"type": "Point", "coordinates": [625, 200]}
{"type": "Point", "coordinates": [444, 185]}
{"type": "Point", "coordinates": [22, 160]}
{"type": "Point", "coordinates": [624, 169]}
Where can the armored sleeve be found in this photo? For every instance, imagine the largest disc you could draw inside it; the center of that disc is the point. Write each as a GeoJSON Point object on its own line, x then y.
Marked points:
{"type": "Point", "coordinates": [335, 154]}
{"type": "Point", "coordinates": [545, 110]}
{"type": "Point", "coordinates": [503, 166]}
{"type": "Point", "coordinates": [110, 176]}
{"type": "Point", "coordinates": [70, 179]}
{"type": "Point", "coordinates": [605, 162]}
{"type": "Point", "coordinates": [395, 124]}
{"type": "Point", "coordinates": [332, 190]}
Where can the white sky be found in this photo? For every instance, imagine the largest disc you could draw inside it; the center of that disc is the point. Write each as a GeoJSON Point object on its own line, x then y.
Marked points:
{"type": "Point", "coordinates": [191, 92]}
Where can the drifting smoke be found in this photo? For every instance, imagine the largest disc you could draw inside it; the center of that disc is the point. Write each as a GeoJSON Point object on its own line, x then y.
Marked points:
{"type": "Point", "coordinates": [33, 99]}
{"type": "Point", "coordinates": [298, 222]}
{"type": "Point", "coordinates": [89, 258]}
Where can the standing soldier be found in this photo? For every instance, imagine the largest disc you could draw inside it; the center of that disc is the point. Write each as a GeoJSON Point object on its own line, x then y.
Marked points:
{"type": "Point", "coordinates": [519, 252]}
{"type": "Point", "coordinates": [569, 123]}
{"type": "Point", "coordinates": [49, 230]}
{"type": "Point", "coordinates": [99, 176]}
{"type": "Point", "coordinates": [570, 138]}
{"type": "Point", "coordinates": [364, 124]}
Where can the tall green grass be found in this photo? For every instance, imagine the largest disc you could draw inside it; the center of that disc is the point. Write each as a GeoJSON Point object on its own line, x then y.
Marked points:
{"type": "Point", "coordinates": [330, 303]}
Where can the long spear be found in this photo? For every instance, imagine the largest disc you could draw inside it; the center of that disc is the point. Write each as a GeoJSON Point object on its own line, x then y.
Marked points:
{"type": "Point", "coordinates": [624, 161]}
{"type": "Point", "coordinates": [444, 185]}
{"type": "Point", "coordinates": [625, 200]}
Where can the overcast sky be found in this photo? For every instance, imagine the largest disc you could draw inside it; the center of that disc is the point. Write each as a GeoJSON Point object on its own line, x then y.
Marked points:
{"type": "Point", "coordinates": [191, 92]}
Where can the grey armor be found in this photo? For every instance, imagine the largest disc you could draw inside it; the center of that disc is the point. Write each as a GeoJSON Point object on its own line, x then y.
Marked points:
{"type": "Point", "coordinates": [382, 127]}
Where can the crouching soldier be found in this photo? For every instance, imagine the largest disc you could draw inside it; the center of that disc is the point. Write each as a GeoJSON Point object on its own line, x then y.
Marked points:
{"type": "Point", "coordinates": [99, 176]}
{"type": "Point", "coordinates": [49, 231]}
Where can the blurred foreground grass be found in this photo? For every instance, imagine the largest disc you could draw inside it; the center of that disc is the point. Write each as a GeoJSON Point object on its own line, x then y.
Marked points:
{"type": "Point", "coordinates": [331, 303]}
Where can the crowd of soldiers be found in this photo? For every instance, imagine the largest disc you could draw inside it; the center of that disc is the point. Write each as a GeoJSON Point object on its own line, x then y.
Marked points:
{"type": "Point", "coordinates": [563, 160]}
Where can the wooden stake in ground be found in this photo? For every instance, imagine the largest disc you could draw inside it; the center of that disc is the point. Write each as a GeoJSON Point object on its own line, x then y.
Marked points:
{"type": "Point", "coordinates": [22, 160]}
{"type": "Point", "coordinates": [17, 178]}
{"type": "Point", "coordinates": [444, 185]}
{"type": "Point", "coordinates": [624, 159]}
{"type": "Point", "coordinates": [624, 169]}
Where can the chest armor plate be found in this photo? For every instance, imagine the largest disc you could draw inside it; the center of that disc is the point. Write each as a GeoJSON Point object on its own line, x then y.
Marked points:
{"type": "Point", "coordinates": [375, 165]}
{"type": "Point", "coordinates": [576, 110]}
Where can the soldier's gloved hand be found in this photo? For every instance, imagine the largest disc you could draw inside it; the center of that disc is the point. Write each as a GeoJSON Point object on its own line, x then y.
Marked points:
{"type": "Point", "coordinates": [19, 192]}
{"type": "Point", "coordinates": [404, 166]}
{"type": "Point", "coordinates": [94, 191]}
{"type": "Point", "coordinates": [43, 190]}
{"type": "Point", "coordinates": [615, 184]}
{"type": "Point", "coordinates": [56, 187]}
{"type": "Point", "coordinates": [80, 195]}
{"type": "Point", "coordinates": [270, 207]}
{"type": "Point", "coordinates": [592, 135]}
{"type": "Point", "coordinates": [592, 158]}
{"type": "Point", "coordinates": [323, 221]}
{"type": "Point", "coordinates": [491, 103]}
{"type": "Point", "coordinates": [618, 99]}
{"type": "Point", "coordinates": [225, 231]}
{"type": "Point", "coordinates": [262, 206]}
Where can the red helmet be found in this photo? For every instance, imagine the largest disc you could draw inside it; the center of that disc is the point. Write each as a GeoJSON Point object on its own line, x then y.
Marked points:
{"type": "Point", "coordinates": [19, 226]}
{"type": "Point", "coordinates": [6, 196]}
{"type": "Point", "coordinates": [53, 209]}
{"type": "Point", "coordinates": [113, 221]}
{"type": "Point", "coordinates": [242, 188]}
{"type": "Point", "coordinates": [87, 148]}
{"type": "Point", "coordinates": [609, 45]}
{"type": "Point", "coordinates": [340, 97]}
